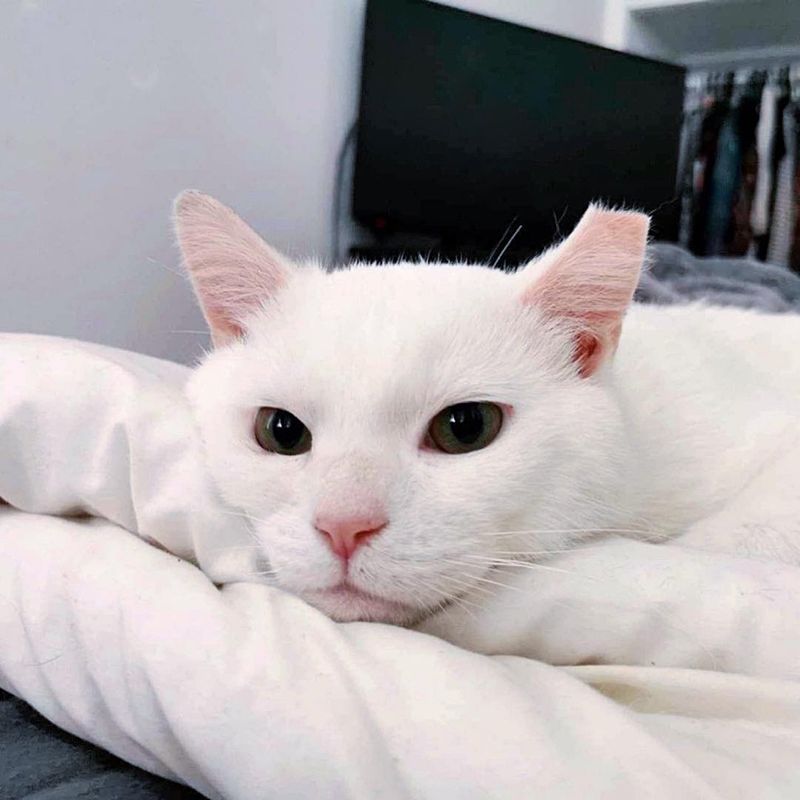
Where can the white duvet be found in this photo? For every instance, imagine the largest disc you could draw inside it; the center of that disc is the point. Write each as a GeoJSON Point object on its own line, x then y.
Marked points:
{"type": "Point", "coordinates": [689, 676]}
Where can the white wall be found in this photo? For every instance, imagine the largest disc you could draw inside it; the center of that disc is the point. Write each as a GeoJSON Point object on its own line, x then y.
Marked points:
{"type": "Point", "coordinates": [110, 108]}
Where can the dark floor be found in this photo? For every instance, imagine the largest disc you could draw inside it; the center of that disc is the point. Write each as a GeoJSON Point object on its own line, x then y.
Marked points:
{"type": "Point", "coordinates": [40, 762]}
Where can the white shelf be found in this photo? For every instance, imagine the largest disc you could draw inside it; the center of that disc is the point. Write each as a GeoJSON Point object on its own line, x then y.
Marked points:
{"type": "Point", "coordinates": [645, 7]}
{"type": "Point", "coordinates": [708, 32]}
{"type": "Point", "coordinates": [743, 57]}
{"type": "Point", "coordinates": [640, 7]}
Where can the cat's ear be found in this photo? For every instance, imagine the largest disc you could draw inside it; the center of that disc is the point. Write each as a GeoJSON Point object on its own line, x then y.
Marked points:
{"type": "Point", "coordinates": [589, 280]}
{"type": "Point", "coordinates": [233, 270]}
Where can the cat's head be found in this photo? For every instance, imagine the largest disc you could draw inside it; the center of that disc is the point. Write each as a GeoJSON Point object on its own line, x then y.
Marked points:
{"type": "Point", "coordinates": [396, 431]}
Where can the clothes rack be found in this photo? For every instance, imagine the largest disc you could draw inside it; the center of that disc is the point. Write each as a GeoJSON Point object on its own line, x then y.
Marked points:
{"type": "Point", "coordinates": [739, 167]}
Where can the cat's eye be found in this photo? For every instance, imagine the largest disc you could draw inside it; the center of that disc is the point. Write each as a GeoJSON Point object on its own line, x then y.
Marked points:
{"type": "Point", "coordinates": [465, 427]}
{"type": "Point", "coordinates": [279, 431]}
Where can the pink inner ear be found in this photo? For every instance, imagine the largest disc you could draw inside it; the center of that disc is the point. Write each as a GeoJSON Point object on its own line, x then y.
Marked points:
{"type": "Point", "coordinates": [588, 353]}
{"type": "Point", "coordinates": [590, 279]}
{"type": "Point", "coordinates": [233, 270]}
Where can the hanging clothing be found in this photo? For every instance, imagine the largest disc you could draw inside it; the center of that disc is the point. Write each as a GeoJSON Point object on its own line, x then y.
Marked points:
{"type": "Point", "coordinates": [725, 181]}
{"type": "Point", "coordinates": [765, 136]}
{"type": "Point", "coordinates": [716, 105]}
{"type": "Point", "coordinates": [794, 258]}
{"type": "Point", "coordinates": [739, 173]}
{"type": "Point", "coordinates": [741, 234]}
{"type": "Point", "coordinates": [693, 114]}
{"type": "Point", "coordinates": [784, 211]}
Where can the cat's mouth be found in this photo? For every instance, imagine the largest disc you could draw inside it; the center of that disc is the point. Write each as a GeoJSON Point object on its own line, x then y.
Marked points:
{"type": "Point", "coordinates": [347, 603]}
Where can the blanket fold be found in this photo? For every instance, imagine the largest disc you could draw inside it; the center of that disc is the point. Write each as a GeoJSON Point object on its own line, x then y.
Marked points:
{"type": "Point", "coordinates": [247, 692]}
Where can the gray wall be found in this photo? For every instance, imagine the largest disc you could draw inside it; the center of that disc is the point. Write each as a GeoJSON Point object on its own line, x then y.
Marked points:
{"type": "Point", "coordinates": [111, 107]}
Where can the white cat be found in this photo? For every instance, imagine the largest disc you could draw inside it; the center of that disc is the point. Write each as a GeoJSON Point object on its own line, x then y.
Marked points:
{"type": "Point", "coordinates": [397, 431]}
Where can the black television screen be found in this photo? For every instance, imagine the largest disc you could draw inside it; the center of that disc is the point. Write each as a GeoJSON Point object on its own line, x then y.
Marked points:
{"type": "Point", "coordinates": [467, 123]}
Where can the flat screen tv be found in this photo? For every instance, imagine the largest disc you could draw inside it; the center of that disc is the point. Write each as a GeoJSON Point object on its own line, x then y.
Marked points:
{"type": "Point", "coordinates": [468, 125]}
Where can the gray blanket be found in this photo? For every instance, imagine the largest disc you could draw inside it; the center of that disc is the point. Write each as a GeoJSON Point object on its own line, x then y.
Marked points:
{"type": "Point", "coordinates": [39, 761]}
{"type": "Point", "coordinates": [675, 276]}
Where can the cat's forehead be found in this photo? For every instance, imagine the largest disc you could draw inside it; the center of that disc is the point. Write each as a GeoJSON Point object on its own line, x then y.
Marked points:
{"type": "Point", "coordinates": [393, 312]}
{"type": "Point", "coordinates": [382, 295]}
{"type": "Point", "coordinates": [391, 331]}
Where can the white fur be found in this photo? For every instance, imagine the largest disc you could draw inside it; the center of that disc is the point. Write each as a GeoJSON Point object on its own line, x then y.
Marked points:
{"type": "Point", "coordinates": [698, 400]}
{"type": "Point", "coordinates": [696, 404]}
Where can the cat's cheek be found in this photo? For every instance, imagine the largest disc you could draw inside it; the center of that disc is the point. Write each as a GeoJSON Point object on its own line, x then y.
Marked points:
{"type": "Point", "coordinates": [298, 558]}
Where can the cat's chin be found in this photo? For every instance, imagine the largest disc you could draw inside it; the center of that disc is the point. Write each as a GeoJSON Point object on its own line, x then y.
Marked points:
{"type": "Point", "coordinates": [348, 604]}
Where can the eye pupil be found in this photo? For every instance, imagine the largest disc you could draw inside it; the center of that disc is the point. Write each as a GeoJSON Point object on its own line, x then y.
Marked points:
{"type": "Point", "coordinates": [280, 431]}
{"type": "Point", "coordinates": [466, 422]}
{"type": "Point", "coordinates": [286, 428]}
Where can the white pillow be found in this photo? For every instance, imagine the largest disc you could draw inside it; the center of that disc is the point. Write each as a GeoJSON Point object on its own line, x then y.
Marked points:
{"type": "Point", "coordinates": [86, 429]}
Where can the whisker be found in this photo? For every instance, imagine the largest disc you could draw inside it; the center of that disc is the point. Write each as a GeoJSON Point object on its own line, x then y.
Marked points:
{"type": "Point", "coordinates": [484, 579]}
{"type": "Point", "coordinates": [164, 266]}
{"type": "Point", "coordinates": [232, 513]}
{"type": "Point", "coordinates": [238, 547]}
{"type": "Point", "coordinates": [469, 583]}
{"type": "Point", "coordinates": [577, 546]}
{"type": "Point", "coordinates": [529, 565]}
{"type": "Point", "coordinates": [268, 573]}
{"type": "Point", "coordinates": [540, 531]}
{"type": "Point", "coordinates": [467, 605]}
{"type": "Point", "coordinates": [248, 528]}
{"type": "Point", "coordinates": [502, 585]}
{"type": "Point", "coordinates": [415, 582]}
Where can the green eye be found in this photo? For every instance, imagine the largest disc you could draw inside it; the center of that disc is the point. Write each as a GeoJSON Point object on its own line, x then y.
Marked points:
{"type": "Point", "coordinates": [465, 427]}
{"type": "Point", "coordinates": [279, 431]}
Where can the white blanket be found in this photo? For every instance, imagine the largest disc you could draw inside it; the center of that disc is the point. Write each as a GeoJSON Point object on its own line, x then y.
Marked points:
{"type": "Point", "coordinates": [691, 661]}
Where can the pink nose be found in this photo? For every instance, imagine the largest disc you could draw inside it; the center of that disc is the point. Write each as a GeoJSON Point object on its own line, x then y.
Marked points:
{"type": "Point", "coordinates": [346, 534]}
